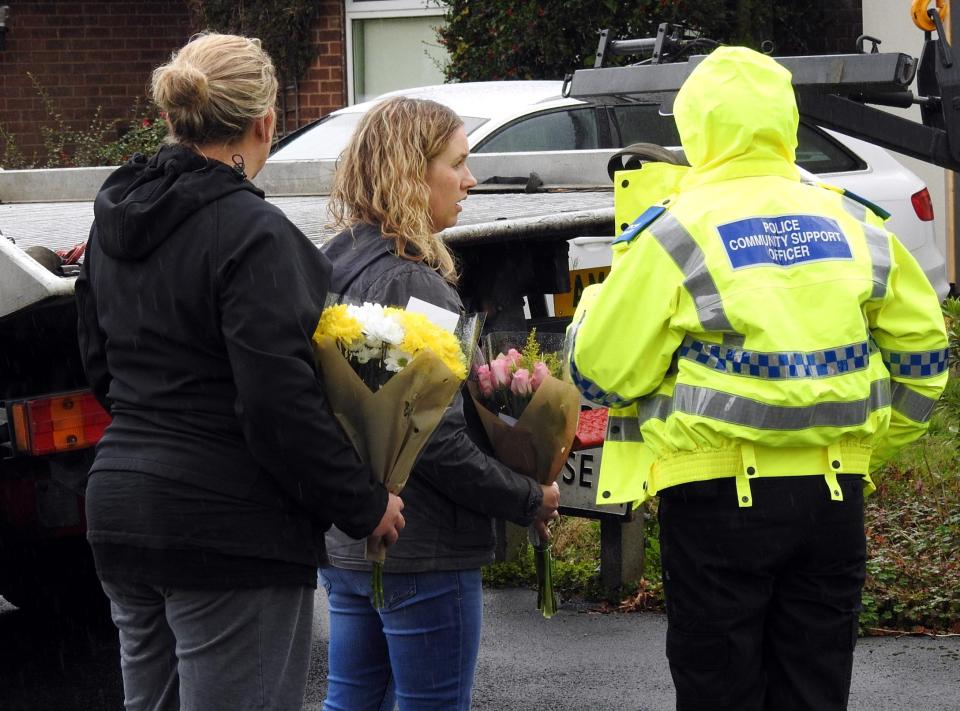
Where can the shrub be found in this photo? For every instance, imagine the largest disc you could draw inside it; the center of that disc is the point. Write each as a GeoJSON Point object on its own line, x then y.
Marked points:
{"type": "Point", "coordinates": [146, 131]}
{"type": "Point", "coordinates": [913, 522]}
{"type": "Point", "coordinates": [65, 146]}
{"type": "Point", "coordinates": [913, 533]}
{"type": "Point", "coordinates": [576, 556]}
{"type": "Point", "coordinates": [11, 158]}
{"type": "Point", "coordinates": [284, 27]}
{"type": "Point", "coordinates": [523, 39]}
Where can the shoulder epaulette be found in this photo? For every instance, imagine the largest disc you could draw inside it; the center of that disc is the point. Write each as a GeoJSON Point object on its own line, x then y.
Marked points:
{"type": "Point", "coordinates": [872, 206]}
{"type": "Point", "coordinates": [646, 218]}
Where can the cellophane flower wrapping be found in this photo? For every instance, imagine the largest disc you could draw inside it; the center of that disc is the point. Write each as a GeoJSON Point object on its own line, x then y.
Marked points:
{"type": "Point", "coordinates": [530, 416]}
{"type": "Point", "coordinates": [389, 375]}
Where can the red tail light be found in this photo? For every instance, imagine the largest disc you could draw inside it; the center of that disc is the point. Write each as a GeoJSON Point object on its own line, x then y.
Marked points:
{"type": "Point", "coordinates": [61, 423]}
{"type": "Point", "coordinates": [922, 205]}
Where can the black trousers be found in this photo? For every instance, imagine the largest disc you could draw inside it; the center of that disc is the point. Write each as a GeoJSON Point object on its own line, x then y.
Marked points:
{"type": "Point", "coordinates": [762, 602]}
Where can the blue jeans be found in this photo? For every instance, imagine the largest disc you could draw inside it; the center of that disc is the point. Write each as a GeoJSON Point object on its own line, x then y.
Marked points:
{"type": "Point", "coordinates": [419, 650]}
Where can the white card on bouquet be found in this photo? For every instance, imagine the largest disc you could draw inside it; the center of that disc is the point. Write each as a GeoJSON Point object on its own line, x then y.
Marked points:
{"type": "Point", "coordinates": [441, 317]}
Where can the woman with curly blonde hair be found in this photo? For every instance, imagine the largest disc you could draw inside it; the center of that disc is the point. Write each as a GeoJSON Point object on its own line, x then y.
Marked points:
{"type": "Point", "coordinates": [399, 183]}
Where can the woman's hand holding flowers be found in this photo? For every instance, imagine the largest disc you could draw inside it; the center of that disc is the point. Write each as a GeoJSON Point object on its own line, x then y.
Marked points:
{"type": "Point", "coordinates": [391, 523]}
{"type": "Point", "coordinates": [548, 510]}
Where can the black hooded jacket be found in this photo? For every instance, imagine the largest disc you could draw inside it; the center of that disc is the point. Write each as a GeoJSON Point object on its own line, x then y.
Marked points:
{"type": "Point", "coordinates": [456, 486]}
{"type": "Point", "coordinates": [197, 301]}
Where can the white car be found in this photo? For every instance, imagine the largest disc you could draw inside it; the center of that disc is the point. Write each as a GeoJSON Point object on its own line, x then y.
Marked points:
{"type": "Point", "coordinates": [532, 116]}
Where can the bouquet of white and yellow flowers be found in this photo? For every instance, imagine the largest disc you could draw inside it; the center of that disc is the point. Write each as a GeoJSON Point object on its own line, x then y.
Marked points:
{"type": "Point", "coordinates": [389, 374]}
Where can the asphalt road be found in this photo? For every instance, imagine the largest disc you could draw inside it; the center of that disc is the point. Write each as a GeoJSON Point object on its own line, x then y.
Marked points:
{"type": "Point", "coordinates": [578, 661]}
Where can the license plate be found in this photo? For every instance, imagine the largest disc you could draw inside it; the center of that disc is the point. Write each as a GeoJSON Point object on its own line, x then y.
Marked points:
{"type": "Point", "coordinates": [580, 279]}
{"type": "Point", "coordinates": [578, 486]}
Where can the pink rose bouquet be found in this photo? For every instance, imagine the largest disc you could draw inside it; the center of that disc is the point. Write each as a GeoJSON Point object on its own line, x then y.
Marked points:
{"type": "Point", "coordinates": [530, 416]}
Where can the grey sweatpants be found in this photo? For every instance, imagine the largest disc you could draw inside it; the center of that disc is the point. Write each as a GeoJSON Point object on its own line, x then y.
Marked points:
{"type": "Point", "coordinates": [212, 650]}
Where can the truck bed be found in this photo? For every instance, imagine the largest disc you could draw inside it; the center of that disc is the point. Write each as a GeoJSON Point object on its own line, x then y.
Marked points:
{"type": "Point", "coordinates": [490, 216]}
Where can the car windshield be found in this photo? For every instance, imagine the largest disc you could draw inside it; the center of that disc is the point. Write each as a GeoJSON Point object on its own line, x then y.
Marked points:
{"type": "Point", "coordinates": [328, 138]}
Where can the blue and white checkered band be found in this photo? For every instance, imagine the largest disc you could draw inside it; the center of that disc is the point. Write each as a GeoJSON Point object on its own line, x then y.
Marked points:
{"type": "Point", "coordinates": [589, 389]}
{"type": "Point", "coordinates": [593, 392]}
{"type": "Point", "coordinates": [777, 366]}
{"type": "Point", "coordinates": [922, 364]}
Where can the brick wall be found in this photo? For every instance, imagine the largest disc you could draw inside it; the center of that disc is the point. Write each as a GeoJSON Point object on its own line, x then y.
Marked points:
{"type": "Point", "coordinates": [90, 55]}
{"type": "Point", "coordinates": [85, 55]}
{"type": "Point", "coordinates": [322, 88]}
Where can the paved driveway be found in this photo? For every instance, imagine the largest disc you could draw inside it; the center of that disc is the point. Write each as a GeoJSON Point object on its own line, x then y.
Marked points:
{"type": "Point", "coordinates": [585, 661]}
{"type": "Point", "coordinates": [578, 661]}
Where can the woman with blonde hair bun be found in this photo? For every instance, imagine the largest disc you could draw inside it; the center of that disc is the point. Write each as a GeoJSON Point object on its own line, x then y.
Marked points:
{"type": "Point", "coordinates": [222, 466]}
{"type": "Point", "coordinates": [400, 182]}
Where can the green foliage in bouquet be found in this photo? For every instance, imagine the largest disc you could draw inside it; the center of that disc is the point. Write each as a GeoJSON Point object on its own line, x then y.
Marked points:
{"type": "Point", "coordinates": [531, 355]}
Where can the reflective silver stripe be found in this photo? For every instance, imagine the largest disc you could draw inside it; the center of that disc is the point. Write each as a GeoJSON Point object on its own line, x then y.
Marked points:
{"type": "Point", "coordinates": [877, 243]}
{"type": "Point", "coordinates": [918, 364]}
{"type": "Point", "coordinates": [627, 429]}
{"type": "Point", "coordinates": [857, 209]}
{"type": "Point", "coordinates": [738, 410]}
{"type": "Point", "coordinates": [654, 407]}
{"type": "Point", "coordinates": [698, 281]}
{"type": "Point", "coordinates": [912, 404]}
{"type": "Point", "coordinates": [777, 365]}
{"type": "Point", "coordinates": [879, 246]}
{"type": "Point", "coordinates": [623, 429]}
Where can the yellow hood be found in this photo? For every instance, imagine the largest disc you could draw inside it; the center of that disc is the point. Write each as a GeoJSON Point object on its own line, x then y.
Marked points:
{"type": "Point", "coordinates": [737, 117]}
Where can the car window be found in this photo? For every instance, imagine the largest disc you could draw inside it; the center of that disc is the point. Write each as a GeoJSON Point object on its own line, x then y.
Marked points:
{"type": "Point", "coordinates": [816, 151]}
{"type": "Point", "coordinates": [567, 130]}
{"type": "Point", "coordinates": [819, 153]}
{"type": "Point", "coordinates": [642, 123]}
{"type": "Point", "coordinates": [328, 137]}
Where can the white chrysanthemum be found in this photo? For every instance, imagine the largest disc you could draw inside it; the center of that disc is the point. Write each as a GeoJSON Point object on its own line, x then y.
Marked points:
{"type": "Point", "coordinates": [396, 360]}
{"type": "Point", "coordinates": [365, 354]}
{"type": "Point", "coordinates": [378, 327]}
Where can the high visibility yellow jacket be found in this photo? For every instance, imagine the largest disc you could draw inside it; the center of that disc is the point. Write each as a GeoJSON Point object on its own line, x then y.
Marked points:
{"type": "Point", "coordinates": [753, 325]}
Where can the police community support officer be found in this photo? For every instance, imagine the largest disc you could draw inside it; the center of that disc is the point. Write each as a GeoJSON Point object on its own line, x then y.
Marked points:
{"type": "Point", "coordinates": [774, 344]}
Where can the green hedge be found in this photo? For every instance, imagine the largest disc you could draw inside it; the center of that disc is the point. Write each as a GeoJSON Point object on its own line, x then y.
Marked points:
{"type": "Point", "coordinates": [526, 39]}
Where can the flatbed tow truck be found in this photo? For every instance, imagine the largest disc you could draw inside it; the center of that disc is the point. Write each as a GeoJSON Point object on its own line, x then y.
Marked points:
{"type": "Point", "coordinates": [514, 249]}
